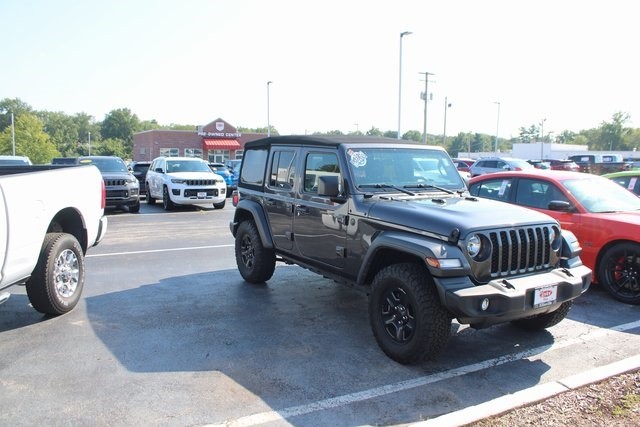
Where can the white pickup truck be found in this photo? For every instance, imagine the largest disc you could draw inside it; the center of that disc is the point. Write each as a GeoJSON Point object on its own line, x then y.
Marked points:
{"type": "Point", "coordinates": [49, 217]}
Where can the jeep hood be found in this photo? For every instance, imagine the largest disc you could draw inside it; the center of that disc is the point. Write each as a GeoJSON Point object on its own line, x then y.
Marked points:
{"type": "Point", "coordinates": [443, 214]}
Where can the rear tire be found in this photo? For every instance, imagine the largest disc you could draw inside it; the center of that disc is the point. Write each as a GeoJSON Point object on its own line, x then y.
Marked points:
{"type": "Point", "coordinates": [544, 321]}
{"type": "Point", "coordinates": [619, 272]}
{"type": "Point", "coordinates": [56, 283]}
{"type": "Point", "coordinates": [406, 316]}
{"type": "Point", "coordinates": [255, 262]}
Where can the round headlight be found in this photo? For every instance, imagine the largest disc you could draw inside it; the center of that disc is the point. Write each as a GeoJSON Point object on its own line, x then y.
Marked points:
{"type": "Point", "coordinates": [474, 245]}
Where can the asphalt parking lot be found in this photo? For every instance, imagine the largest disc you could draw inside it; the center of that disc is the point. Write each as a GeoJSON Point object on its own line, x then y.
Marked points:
{"type": "Point", "coordinates": [167, 333]}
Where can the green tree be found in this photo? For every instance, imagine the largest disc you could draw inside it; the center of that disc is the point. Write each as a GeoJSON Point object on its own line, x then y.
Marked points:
{"type": "Point", "coordinates": [610, 135]}
{"type": "Point", "coordinates": [391, 134]}
{"type": "Point", "coordinates": [31, 140]}
{"type": "Point", "coordinates": [120, 124]}
{"type": "Point", "coordinates": [15, 106]}
{"type": "Point", "coordinates": [62, 130]}
{"type": "Point", "coordinates": [530, 134]}
{"type": "Point", "coordinates": [110, 147]}
{"type": "Point", "coordinates": [374, 131]}
{"type": "Point", "coordinates": [460, 143]}
{"type": "Point", "coordinates": [412, 135]}
{"type": "Point", "coordinates": [88, 132]}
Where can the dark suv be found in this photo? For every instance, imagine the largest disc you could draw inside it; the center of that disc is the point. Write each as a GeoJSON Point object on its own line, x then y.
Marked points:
{"type": "Point", "coordinates": [139, 170]}
{"type": "Point", "coordinates": [397, 221]}
{"type": "Point", "coordinates": [122, 187]}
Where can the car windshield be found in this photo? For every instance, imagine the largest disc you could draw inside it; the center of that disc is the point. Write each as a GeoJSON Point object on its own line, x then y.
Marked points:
{"type": "Point", "coordinates": [106, 164]}
{"type": "Point", "coordinates": [13, 162]}
{"type": "Point", "coordinates": [187, 166]}
{"type": "Point", "coordinates": [599, 195]}
{"type": "Point", "coordinates": [391, 169]}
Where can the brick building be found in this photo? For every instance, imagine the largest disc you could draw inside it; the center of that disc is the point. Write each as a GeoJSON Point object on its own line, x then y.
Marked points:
{"type": "Point", "coordinates": [216, 142]}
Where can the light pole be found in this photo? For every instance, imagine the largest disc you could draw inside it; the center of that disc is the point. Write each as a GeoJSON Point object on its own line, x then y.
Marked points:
{"type": "Point", "coordinates": [495, 146]}
{"type": "Point", "coordinates": [542, 138]}
{"type": "Point", "coordinates": [446, 107]}
{"type": "Point", "coordinates": [268, 122]}
{"type": "Point", "coordinates": [402, 34]}
{"type": "Point", "coordinates": [426, 98]}
{"type": "Point", "coordinates": [89, 138]}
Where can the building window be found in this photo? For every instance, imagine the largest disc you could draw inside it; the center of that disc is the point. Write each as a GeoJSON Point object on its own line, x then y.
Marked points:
{"type": "Point", "coordinates": [169, 152]}
{"type": "Point", "coordinates": [193, 152]}
{"type": "Point", "coordinates": [143, 150]}
{"type": "Point", "coordinates": [218, 156]}
{"type": "Point", "coordinates": [239, 154]}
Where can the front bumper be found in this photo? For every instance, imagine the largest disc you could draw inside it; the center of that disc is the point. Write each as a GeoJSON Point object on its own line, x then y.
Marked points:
{"type": "Point", "coordinates": [513, 298]}
{"type": "Point", "coordinates": [198, 195]}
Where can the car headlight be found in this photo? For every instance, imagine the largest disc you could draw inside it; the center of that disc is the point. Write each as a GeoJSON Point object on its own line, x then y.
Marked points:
{"type": "Point", "coordinates": [177, 181]}
{"type": "Point", "coordinates": [474, 246]}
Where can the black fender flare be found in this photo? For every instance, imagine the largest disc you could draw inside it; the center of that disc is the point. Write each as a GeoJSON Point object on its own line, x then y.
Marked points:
{"type": "Point", "coordinates": [256, 211]}
{"type": "Point", "coordinates": [416, 246]}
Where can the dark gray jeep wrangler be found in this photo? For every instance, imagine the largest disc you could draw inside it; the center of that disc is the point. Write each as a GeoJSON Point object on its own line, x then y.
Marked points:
{"type": "Point", "coordinates": [396, 220]}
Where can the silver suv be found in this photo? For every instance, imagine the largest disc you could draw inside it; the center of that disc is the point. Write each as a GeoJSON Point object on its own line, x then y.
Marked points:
{"type": "Point", "coordinates": [498, 164]}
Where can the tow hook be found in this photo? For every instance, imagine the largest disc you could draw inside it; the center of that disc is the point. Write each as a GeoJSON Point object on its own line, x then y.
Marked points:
{"type": "Point", "coordinates": [507, 284]}
{"type": "Point", "coordinates": [567, 272]}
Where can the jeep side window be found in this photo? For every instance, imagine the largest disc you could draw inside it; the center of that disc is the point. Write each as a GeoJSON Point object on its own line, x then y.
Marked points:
{"type": "Point", "coordinates": [283, 170]}
{"type": "Point", "coordinates": [319, 164]}
{"type": "Point", "coordinates": [254, 166]}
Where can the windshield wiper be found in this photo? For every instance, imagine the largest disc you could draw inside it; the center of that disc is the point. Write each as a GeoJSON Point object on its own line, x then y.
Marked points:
{"type": "Point", "coordinates": [429, 186]}
{"type": "Point", "coordinates": [402, 190]}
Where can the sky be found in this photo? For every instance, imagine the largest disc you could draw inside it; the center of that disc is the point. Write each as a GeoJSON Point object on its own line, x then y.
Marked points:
{"type": "Point", "coordinates": [334, 64]}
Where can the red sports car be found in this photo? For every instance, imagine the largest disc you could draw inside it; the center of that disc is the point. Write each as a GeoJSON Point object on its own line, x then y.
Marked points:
{"type": "Point", "coordinates": [604, 216]}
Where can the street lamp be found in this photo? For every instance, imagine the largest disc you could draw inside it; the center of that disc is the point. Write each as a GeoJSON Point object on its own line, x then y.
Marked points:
{"type": "Point", "coordinates": [495, 148]}
{"type": "Point", "coordinates": [402, 34]}
{"type": "Point", "coordinates": [13, 132]}
{"type": "Point", "coordinates": [268, 122]}
{"type": "Point", "coordinates": [89, 139]}
{"type": "Point", "coordinates": [542, 138]}
{"type": "Point", "coordinates": [447, 104]}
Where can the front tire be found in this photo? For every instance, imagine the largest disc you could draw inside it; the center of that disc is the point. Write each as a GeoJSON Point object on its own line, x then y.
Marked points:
{"type": "Point", "coordinates": [619, 272]}
{"type": "Point", "coordinates": [219, 205]}
{"type": "Point", "coordinates": [167, 204]}
{"type": "Point", "coordinates": [150, 200]}
{"type": "Point", "coordinates": [56, 283]}
{"type": "Point", "coordinates": [255, 262]}
{"type": "Point", "coordinates": [546, 320]}
{"type": "Point", "coordinates": [135, 208]}
{"type": "Point", "coordinates": [406, 316]}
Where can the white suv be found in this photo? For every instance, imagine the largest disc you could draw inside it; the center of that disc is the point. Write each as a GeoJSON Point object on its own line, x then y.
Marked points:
{"type": "Point", "coordinates": [184, 181]}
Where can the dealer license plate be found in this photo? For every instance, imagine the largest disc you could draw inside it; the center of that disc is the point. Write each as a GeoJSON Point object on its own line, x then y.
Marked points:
{"type": "Point", "coordinates": [202, 194]}
{"type": "Point", "coordinates": [545, 296]}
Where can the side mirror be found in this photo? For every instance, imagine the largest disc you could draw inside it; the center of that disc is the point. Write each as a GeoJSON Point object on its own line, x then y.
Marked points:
{"type": "Point", "coordinates": [159, 170]}
{"type": "Point", "coordinates": [560, 206]}
{"type": "Point", "coordinates": [328, 185]}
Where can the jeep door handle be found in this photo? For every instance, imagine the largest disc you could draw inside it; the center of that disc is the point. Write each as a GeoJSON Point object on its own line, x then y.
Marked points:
{"type": "Point", "coordinates": [301, 210]}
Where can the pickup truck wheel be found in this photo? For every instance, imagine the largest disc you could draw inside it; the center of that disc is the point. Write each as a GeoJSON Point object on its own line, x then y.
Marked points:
{"type": "Point", "coordinates": [543, 321]}
{"type": "Point", "coordinates": [167, 204]}
{"type": "Point", "coordinates": [255, 262]}
{"type": "Point", "coordinates": [406, 316]}
{"type": "Point", "coordinates": [619, 272]}
{"type": "Point", "coordinates": [56, 283]}
{"type": "Point", "coordinates": [219, 205]}
{"type": "Point", "coordinates": [150, 200]}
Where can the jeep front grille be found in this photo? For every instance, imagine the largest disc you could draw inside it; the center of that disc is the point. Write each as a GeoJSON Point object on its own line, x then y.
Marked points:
{"type": "Point", "coordinates": [201, 182]}
{"type": "Point", "coordinates": [517, 251]}
{"type": "Point", "coordinates": [114, 182]}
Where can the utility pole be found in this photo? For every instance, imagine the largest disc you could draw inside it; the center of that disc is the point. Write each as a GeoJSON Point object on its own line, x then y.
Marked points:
{"type": "Point", "coordinates": [425, 97]}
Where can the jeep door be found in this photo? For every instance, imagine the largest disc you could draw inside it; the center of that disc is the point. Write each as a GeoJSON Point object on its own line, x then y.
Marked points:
{"type": "Point", "coordinates": [318, 223]}
{"type": "Point", "coordinates": [155, 177]}
{"type": "Point", "coordinates": [279, 195]}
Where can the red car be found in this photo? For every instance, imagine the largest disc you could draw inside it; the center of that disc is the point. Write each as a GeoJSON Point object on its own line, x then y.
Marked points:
{"type": "Point", "coordinates": [604, 216]}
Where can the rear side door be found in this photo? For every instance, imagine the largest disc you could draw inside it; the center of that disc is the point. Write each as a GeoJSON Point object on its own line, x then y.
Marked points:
{"type": "Point", "coordinates": [319, 225]}
{"type": "Point", "coordinates": [155, 178]}
{"type": "Point", "coordinates": [279, 195]}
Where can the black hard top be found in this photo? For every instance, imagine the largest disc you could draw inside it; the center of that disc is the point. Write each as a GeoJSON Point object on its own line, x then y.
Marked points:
{"type": "Point", "coordinates": [328, 141]}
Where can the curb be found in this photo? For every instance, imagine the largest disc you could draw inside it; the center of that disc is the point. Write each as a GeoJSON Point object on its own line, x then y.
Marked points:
{"type": "Point", "coordinates": [533, 394]}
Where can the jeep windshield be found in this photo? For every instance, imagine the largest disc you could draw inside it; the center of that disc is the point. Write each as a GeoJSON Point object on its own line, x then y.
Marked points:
{"type": "Point", "coordinates": [396, 169]}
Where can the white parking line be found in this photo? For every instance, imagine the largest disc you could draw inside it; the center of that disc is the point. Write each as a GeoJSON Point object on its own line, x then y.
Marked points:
{"type": "Point", "coordinates": [334, 402]}
{"type": "Point", "coordinates": [158, 250]}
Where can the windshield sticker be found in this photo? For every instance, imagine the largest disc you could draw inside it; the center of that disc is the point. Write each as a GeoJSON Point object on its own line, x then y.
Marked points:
{"type": "Point", "coordinates": [357, 158]}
